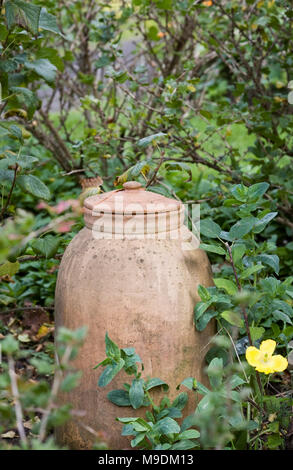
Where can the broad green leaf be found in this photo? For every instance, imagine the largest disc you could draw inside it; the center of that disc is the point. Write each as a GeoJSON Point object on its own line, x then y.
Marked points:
{"type": "Point", "coordinates": [203, 293]}
{"type": "Point", "coordinates": [215, 372]}
{"type": "Point", "coordinates": [44, 68]}
{"type": "Point", "coordinates": [179, 166]}
{"type": "Point", "coordinates": [189, 434]}
{"type": "Point", "coordinates": [110, 372]}
{"type": "Point", "coordinates": [30, 13]}
{"type": "Point", "coordinates": [71, 381]}
{"type": "Point", "coordinates": [155, 382]}
{"type": "Point", "coordinates": [261, 223]}
{"type": "Point", "coordinates": [242, 227]}
{"type": "Point", "coordinates": [269, 260]}
{"type": "Point", "coordinates": [34, 186]}
{"type": "Point", "coordinates": [229, 286]}
{"type": "Point", "coordinates": [46, 246]}
{"type": "Point", "coordinates": [257, 190]}
{"type": "Point", "coordinates": [184, 444]}
{"type": "Point", "coordinates": [136, 393]}
{"type": "Point", "coordinates": [234, 318]}
{"type": "Point", "coordinates": [151, 139]}
{"type": "Point", "coordinates": [213, 248]}
{"type": "Point", "coordinates": [119, 397]}
{"type": "Point", "coordinates": [256, 332]}
{"type": "Point", "coordinates": [112, 350]}
{"type": "Point", "coordinates": [251, 270]}
{"type": "Point", "coordinates": [9, 269]}
{"type": "Point", "coordinates": [166, 426]}
{"type": "Point", "coordinates": [140, 437]}
{"type": "Point", "coordinates": [238, 250]}
{"type": "Point", "coordinates": [48, 22]}
{"type": "Point", "coordinates": [209, 228]}
{"type": "Point", "coordinates": [180, 401]}
{"type": "Point", "coordinates": [239, 191]}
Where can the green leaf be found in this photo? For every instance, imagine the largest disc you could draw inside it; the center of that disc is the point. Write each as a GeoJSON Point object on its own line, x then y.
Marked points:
{"type": "Point", "coordinates": [48, 22]}
{"type": "Point", "coordinates": [46, 246]}
{"type": "Point", "coordinates": [9, 345]}
{"type": "Point", "coordinates": [215, 372]}
{"type": "Point", "coordinates": [112, 350]}
{"type": "Point", "coordinates": [184, 444]}
{"type": "Point", "coordinates": [140, 437]}
{"type": "Point", "coordinates": [256, 332]}
{"type": "Point", "coordinates": [189, 434]}
{"type": "Point", "coordinates": [31, 14]}
{"type": "Point", "coordinates": [44, 68]}
{"type": "Point", "coordinates": [34, 186]}
{"type": "Point", "coordinates": [213, 248]}
{"type": "Point", "coordinates": [242, 227]}
{"type": "Point", "coordinates": [166, 426]}
{"type": "Point", "coordinates": [238, 250]}
{"type": "Point", "coordinates": [261, 223]}
{"type": "Point", "coordinates": [9, 268]}
{"type": "Point", "coordinates": [180, 401]}
{"type": "Point", "coordinates": [179, 166]}
{"type": "Point", "coordinates": [209, 228]}
{"type": "Point", "coordinates": [119, 397]}
{"type": "Point", "coordinates": [234, 318]}
{"type": "Point", "coordinates": [110, 372]}
{"type": "Point", "coordinates": [151, 139]}
{"type": "Point", "coordinates": [229, 286]}
{"type": "Point", "coordinates": [136, 393]}
{"type": "Point", "coordinates": [257, 190]}
{"type": "Point", "coordinates": [10, 12]}
{"type": "Point", "coordinates": [203, 293]}
{"type": "Point", "coordinates": [71, 381]}
{"type": "Point", "coordinates": [155, 382]}
{"type": "Point", "coordinates": [269, 260]}
{"type": "Point", "coordinates": [251, 270]}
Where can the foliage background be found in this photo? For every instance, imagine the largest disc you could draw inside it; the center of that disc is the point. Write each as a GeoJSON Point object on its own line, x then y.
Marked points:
{"type": "Point", "coordinates": [192, 98]}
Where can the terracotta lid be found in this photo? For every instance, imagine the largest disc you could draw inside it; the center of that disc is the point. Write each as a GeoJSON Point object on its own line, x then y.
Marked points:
{"type": "Point", "coordinates": [133, 198]}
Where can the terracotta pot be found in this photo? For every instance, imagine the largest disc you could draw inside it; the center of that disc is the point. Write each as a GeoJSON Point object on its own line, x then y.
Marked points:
{"type": "Point", "coordinates": [133, 272]}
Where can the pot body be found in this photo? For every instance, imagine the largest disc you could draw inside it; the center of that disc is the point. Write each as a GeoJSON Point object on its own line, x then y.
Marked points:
{"type": "Point", "coordinates": [142, 292]}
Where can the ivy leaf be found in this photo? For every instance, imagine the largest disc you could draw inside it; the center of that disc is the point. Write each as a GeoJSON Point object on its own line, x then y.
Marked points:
{"type": "Point", "coordinates": [9, 269]}
{"type": "Point", "coordinates": [34, 186]}
{"type": "Point", "coordinates": [46, 246]}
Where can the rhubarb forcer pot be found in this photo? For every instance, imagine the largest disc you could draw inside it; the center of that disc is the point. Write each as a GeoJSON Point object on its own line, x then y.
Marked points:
{"type": "Point", "coordinates": [133, 271]}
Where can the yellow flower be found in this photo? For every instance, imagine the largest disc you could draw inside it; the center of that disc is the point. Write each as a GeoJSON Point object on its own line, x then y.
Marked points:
{"type": "Point", "coordinates": [263, 360]}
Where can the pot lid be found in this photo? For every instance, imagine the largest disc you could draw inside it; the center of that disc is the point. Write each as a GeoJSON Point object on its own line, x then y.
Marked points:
{"type": "Point", "coordinates": [133, 198]}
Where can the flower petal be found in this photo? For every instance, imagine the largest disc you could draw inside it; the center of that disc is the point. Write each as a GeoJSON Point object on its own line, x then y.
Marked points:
{"type": "Point", "coordinates": [253, 356]}
{"type": "Point", "coordinates": [280, 363]}
{"type": "Point", "coordinates": [268, 346]}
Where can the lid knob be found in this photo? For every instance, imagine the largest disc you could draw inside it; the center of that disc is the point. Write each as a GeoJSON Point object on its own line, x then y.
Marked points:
{"type": "Point", "coordinates": [132, 185]}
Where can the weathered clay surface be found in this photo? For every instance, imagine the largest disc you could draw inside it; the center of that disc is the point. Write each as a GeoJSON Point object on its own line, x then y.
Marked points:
{"type": "Point", "coordinates": [142, 292]}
